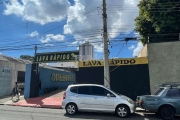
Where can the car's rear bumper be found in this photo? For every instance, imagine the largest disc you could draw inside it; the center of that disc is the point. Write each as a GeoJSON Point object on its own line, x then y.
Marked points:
{"type": "Point", "coordinates": [147, 107]}
{"type": "Point", "coordinates": [132, 108]}
{"type": "Point", "coordinates": [64, 103]}
{"type": "Point", "coordinates": [63, 107]}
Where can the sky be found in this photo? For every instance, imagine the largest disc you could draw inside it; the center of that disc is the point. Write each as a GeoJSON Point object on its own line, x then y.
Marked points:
{"type": "Point", "coordinates": [62, 25]}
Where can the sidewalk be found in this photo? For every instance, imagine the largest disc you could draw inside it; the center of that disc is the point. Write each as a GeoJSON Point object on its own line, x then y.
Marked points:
{"type": "Point", "coordinates": [50, 100]}
{"type": "Point", "coordinates": [6, 100]}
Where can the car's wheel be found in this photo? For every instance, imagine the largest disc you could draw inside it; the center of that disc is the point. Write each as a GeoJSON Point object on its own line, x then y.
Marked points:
{"type": "Point", "coordinates": [167, 113]}
{"type": "Point", "coordinates": [71, 109]}
{"type": "Point", "coordinates": [122, 111]}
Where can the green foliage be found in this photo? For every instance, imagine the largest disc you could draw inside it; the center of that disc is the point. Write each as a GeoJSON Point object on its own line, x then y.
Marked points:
{"type": "Point", "coordinates": [158, 20]}
{"type": "Point", "coordinates": [27, 57]}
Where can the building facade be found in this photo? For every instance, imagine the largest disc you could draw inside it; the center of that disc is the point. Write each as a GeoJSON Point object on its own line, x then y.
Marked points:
{"type": "Point", "coordinates": [11, 70]}
{"type": "Point", "coordinates": [86, 51]}
{"type": "Point", "coordinates": [163, 62]}
{"type": "Point", "coordinates": [47, 79]}
{"type": "Point", "coordinates": [128, 76]}
{"type": "Point", "coordinates": [164, 65]}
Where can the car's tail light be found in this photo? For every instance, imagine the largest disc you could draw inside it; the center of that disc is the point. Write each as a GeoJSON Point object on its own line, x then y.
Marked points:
{"type": "Point", "coordinates": [64, 95]}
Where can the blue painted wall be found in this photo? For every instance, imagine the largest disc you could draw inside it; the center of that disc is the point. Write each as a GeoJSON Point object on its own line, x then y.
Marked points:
{"type": "Point", "coordinates": [55, 78]}
{"type": "Point", "coordinates": [27, 81]}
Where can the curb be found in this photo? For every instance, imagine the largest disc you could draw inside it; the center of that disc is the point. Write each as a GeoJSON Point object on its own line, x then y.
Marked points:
{"type": "Point", "coordinates": [37, 107]}
{"type": "Point", "coordinates": [30, 106]}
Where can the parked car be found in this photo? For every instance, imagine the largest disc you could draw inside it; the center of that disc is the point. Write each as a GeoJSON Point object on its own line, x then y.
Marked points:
{"type": "Point", "coordinates": [96, 98]}
{"type": "Point", "coordinates": [165, 102]}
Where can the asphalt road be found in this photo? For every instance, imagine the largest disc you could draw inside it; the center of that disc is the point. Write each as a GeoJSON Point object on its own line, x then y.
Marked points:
{"type": "Point", "coordinates": [26, 113]}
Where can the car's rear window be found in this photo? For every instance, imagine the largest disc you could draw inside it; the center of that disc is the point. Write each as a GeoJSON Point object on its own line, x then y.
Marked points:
{"type": "Point", "coordinates": [74, 89]}
{"type": "Point", "coordinates": [158, 91]}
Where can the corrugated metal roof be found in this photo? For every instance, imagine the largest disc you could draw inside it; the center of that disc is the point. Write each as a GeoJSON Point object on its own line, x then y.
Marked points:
{"type": "Point", "coordinates": [54, 68]}
{"type": "Point", "coordinates": [16, 60]}
{"type": "Point", "coordinates": [2, 58]}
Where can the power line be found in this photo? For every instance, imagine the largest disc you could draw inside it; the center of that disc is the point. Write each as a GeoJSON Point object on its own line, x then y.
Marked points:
{"type": "Point", "coordinates": [82, 31]}
{"type": "Point", "coordinates": [56, 43]}
{"type": "Point", "coordinates": [120, 50]}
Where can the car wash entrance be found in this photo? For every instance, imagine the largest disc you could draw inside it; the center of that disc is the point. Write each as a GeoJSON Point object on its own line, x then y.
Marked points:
{"type": "Point", "coordinates": [129, 77]}
{"type": "Point", "coordinates": [43, 79]}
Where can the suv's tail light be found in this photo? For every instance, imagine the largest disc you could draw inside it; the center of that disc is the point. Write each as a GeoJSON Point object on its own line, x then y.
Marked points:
{"type": "Point", "coordinates": [140, 102]}
{"type": "Point", "coordinates": [64, 95]}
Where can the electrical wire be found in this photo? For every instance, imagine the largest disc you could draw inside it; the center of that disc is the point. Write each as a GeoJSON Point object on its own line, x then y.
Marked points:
{"type": "Point", "coordinates": [120, 50]}
{"type": "Point", "coordinates": [84, 32]}
{"type": "Point", "coordinates": [117, 56]}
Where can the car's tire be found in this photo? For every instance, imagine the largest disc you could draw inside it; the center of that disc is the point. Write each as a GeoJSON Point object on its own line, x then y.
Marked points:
{"type": "Point", "coordinates": [71, 109]}
{"type": "Point", "coordinates": [122, 111]}
{"type": "Point", "coordinates": [167, 112]}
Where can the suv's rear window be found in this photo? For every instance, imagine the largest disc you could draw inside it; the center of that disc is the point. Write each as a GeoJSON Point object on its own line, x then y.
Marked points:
{"type": "Point", "coordinates": [159, 91]}
{"type": "Point", "coordinates": [74, 89]}
{"type": "Point", "coordinates": [173, 93]}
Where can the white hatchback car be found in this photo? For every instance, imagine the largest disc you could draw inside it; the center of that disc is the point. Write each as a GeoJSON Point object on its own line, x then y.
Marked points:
{"type": "Point", "coordinates": [96, 98]}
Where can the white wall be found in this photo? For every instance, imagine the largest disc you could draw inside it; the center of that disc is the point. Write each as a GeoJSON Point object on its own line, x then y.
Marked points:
{"type": "Point", "coordinates": [164, 63]}
{"type": "Point", "coordinates": [8, 80]}
{"type": "Point", "coordinates": [5, 80]}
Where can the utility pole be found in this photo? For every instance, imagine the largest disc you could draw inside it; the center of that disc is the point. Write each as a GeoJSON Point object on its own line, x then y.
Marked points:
{"type": "Point", "coordinates": [37, 65]}
{"type": "Point", "coordinates": [35, 51]}
{"type": "Point", "coordinates": [106, 53]}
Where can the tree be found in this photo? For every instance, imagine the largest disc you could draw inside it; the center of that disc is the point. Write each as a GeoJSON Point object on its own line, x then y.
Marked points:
{"type": "Point", "coordinates": [158, 20]}
{"type": "Point", "coordinates": [27, 57]}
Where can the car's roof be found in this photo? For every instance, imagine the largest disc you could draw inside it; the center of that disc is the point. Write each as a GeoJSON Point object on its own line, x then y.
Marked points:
{"type": "Point", "coordinates": [170, 87]}
{"type": "Point", "coordinates": [85, 85]}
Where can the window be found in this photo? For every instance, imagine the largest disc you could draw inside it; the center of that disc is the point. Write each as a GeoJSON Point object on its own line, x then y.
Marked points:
{"type": "Point", "coordinates": [74, 89]}
{"type": "Point", "coordinates": [84, 90]}
{"type": "Point", "coordinates": [99, 91]}
{"type": "Point", "coordinates": [159, 91]}
{"type": "Point", "coordinates": [173, 93]}
{"type": "Point", "coordinates": [111, 94]}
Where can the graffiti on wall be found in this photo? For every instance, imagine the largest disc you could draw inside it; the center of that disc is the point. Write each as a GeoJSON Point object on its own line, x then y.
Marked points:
{"type": "Point", "coordinates": [5, 72]}
{"type": "Point", "coordinates": [55, 77]}
{"type": "Point", "coordinates": [5, 80]}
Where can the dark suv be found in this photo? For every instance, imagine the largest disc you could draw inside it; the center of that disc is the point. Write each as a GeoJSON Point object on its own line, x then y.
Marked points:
{"type": "Point", "coordinates": [165, 102]}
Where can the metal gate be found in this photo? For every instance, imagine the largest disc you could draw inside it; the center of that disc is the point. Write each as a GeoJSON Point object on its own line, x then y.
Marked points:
{"type": "Point", "coordinates": [131, 80]}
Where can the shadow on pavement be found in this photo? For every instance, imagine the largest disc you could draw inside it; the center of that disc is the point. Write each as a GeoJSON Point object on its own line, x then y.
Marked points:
{"type": "Point", "coordinates": [9, 96]}
{"type": "Point", "coordinates": [108, 116]}
{"type": "Point", "coordinates": [103, 116]}
{"type": "Point", "coordinates": [15, 101]}
{"type": "Point", "coordinates": [57, 93]}
{"type": "Point", "coordinates": [153, 116]}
